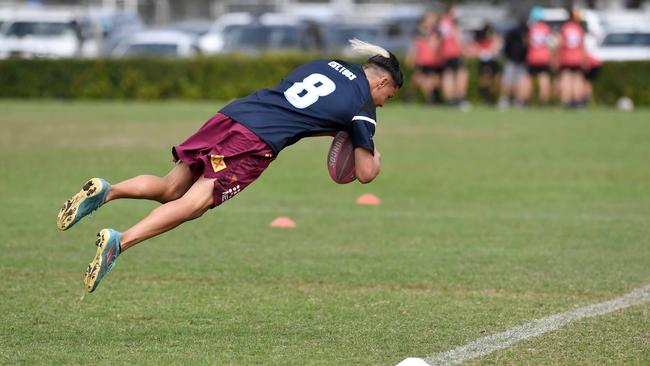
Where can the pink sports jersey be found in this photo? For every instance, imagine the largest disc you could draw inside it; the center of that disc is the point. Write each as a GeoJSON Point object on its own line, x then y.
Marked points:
{"type": "Point", "coordinates": [572, 50]}
{"type": "Point", "coordinates": [450, 47]}
{"type": "Point", "coordinates": [539, 52]}
{"type": "Point", "coordinates": [425, 52]}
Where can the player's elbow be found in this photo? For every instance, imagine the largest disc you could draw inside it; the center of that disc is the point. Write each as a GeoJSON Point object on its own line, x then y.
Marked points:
{"type": "Point", "coordinates": [367, 175]}
{"type": "Point", "coordinates": [367, 165]}
{"type": "Point", "coordinates": [365, 180]}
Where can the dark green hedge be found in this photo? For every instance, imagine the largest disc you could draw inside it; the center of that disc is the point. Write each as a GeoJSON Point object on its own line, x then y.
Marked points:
{"type": "Point", "coordinates": [617, 79]}
{"type": "Point", "coordinates": [219, 78]}
{"type": "Point", "coordinates": [223, 78]}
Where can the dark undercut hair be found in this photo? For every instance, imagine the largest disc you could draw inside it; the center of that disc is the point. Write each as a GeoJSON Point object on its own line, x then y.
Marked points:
{"type": "Point", "coordinates": [390, 65]}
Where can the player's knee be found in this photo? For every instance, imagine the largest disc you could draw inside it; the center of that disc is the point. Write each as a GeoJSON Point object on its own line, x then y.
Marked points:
{"type": "Point", "coordinates": [172, 194]}
{"type": "Point", "coordinates": [195, 205]}
{"type": "Point", "coordinates": [173, 190]}
{"type": "Point", "coordinates": [199, 207]}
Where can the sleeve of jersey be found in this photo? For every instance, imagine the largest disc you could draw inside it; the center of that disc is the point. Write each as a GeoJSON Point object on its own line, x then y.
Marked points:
{"type": "Point", "coordinates": [362, 131]}
{"type": "Point", "coordinates": [363, 127]}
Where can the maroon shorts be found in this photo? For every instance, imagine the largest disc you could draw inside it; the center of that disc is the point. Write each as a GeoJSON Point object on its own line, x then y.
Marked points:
{"type": "Point", "coordinates": [227, 152]}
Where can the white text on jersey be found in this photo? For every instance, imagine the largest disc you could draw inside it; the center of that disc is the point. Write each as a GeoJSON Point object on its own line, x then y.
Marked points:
{"type": "Point", "coordinates": [338, 67]}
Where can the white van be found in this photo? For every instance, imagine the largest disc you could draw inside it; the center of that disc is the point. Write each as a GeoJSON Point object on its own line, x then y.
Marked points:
{"type": "Point", "coordinates": [37, 33]}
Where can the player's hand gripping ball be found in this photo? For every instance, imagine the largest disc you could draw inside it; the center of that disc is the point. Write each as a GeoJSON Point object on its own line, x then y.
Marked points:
{"type": "Point", "coordinates": [340, 159]}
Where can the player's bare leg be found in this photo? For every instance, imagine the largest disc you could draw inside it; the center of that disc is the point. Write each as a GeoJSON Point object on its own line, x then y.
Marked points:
{"type": "Point", "coordinates": [194, 203]}
{"type": "Point", "coordinates": [462, 78]}
{"type": "Point", "coordinates": [448, 86]}
{"type": "Point", "coordinates": [577, 90]}
{"type": "Point", "coordinates": [544, 88]}
{"type": "Point", "coordinates": [96, 192]}
{"type": "Point", "coordinates": [111, 243]}
{"type": "Point", "coordinates": [161, 189]}
{"type": "Point", "coordinates": [565, 88]}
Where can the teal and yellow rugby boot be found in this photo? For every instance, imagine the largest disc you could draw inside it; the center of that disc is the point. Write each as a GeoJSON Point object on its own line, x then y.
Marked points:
{"type": "Point", "coordinates": [108, 248]}
{"type": "Point", "coordinates": [91, 197]}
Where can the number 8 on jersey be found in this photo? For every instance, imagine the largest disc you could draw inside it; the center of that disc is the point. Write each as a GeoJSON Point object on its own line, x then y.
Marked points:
{"type": "Point", "coordinates": [303, 94]}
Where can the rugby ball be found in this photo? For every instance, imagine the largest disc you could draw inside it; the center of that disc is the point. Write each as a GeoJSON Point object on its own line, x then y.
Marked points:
{"type": "Point", "coordinates": [340, 159]}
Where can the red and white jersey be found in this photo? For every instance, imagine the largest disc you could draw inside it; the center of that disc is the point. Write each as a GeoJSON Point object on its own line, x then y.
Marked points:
{"type": "Point", "coordinates": [572, 50]}
{"type": "Point", "coordinates": [450, 46]}
{"type": "Point", "coordinates": [539, 50]}
{"type": "Point", "coordinates": [487, 49]}
{"type": "Point", "coordinates": [427, 52]}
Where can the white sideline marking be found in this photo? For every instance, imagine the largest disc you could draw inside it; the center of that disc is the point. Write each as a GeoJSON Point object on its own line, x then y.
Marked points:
{"type": "Point", "coordinates": [534, 328]}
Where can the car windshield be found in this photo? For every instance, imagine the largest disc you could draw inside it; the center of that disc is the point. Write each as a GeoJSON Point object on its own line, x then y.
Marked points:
{"type": "Point", "coordinates": [627, 39]}
{"type": "Point", "coordinates": [152, 49]}
{"type": "Point", "coordinates": [42, 29]}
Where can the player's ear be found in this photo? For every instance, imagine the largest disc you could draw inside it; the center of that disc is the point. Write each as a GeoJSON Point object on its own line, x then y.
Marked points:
{"type": "Point", "coordinates": [383, 81]}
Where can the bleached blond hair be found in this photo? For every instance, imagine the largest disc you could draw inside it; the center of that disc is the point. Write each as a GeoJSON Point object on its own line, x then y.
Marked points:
{"type": "Point", "coordinates": [379, 57]}
{"type": "Point", "coordinates": [367, 49]}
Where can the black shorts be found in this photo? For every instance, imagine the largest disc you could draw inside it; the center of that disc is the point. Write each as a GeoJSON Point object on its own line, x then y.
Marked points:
{"type": "Point", "coordinates": [489, 68]}
{"type": "Point", "coordinates": [535, 70]}
{"type": "Point", "coordinates": [592, 73]}
{"type": "Point", "coordinates": [453, 64]}
{"type": "Point", "coordinates": [570, 68]}
{"type": "Point", "coordinates": [428, 70]}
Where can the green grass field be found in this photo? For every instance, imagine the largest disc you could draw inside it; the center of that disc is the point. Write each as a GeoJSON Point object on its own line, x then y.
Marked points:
{"type": "Point", "coordinates": [488, 220]}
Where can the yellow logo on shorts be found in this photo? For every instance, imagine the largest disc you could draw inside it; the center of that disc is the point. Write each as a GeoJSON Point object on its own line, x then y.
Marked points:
{"type": "Point", "coordinates": [218, 163]}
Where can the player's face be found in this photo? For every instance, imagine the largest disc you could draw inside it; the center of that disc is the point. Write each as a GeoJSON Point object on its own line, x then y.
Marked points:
{"type": "Point", "coordinates": [382, 92]}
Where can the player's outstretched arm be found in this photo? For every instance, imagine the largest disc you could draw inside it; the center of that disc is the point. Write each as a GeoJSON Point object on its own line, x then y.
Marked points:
{"type": "Point", "coordinates": [367, 166]}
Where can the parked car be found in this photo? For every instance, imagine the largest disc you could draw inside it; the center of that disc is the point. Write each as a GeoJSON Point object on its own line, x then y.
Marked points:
{"type": "Point", "coordinates": [337, 36]}
{"type": "Point", "coordinates": [193, 27]}
{"type": "Point", "coordinates": [47, 34]}
{"type": "Point", "coordinates": [625, 20]}
{"type": "Point", "coordinates": [157, 43]}
{"type": "Point", "coordinates": [114, 26]}
{"type": "Point", "coordinates": [274, 32]}
{"type": "Point", "coordinates": [398, 32]}
{"type": "Point", "coordinates": [5, 15]}
{"type": "Point", "coordinates": [253, 38]}
{"type": "Point", "coordinates": [213, 41]}
{"type": "Point", "coordinates": [393, 34]}
{"type": "Point", "coordinates": [625, 45]}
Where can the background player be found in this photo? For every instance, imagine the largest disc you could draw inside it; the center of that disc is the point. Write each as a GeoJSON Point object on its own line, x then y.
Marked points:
{"type": "Point", "coordinates": [539, 55]}
{"type": "Point", "coordinates": [425, 57]}
{"type": "Point", "coordinates": [454, 75]}
{"type": "Point", "coordinates": [487, 45]}
{"type": "Point", "coordinates": [572, 60]}
{"type": "Point", "coordinates": [234, 147]}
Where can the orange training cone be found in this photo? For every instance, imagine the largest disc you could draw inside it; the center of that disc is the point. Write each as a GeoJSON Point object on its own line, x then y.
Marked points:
{"type": "Point", "coordinates": [368, 199]}
{"type": "Point", "coordinates": [283, 222]}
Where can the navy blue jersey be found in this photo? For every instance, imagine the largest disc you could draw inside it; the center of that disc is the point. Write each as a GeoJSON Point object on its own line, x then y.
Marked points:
{"type": "Point", "coordinates": [318, 97]}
